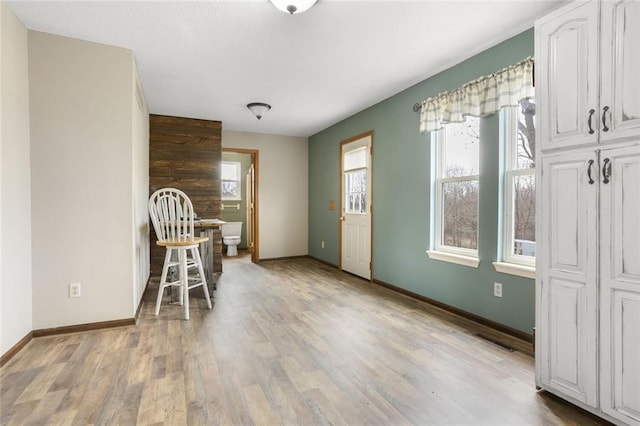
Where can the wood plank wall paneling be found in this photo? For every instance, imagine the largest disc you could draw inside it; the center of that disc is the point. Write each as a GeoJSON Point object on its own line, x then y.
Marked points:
{"type": "Point", "coordinates": [186, 153]}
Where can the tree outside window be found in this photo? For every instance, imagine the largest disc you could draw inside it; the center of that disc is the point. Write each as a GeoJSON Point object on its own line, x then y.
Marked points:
{"type": "Point", "coordinates": [457, 187]}
{"type": "Point", "coordinates": [230, 176]}
{"type": "Point", "coordinates": [519, 183]}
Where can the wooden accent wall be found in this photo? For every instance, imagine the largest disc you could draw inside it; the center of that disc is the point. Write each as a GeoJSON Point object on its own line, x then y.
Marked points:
{"type": "Point", "coordinates": [186, 154]}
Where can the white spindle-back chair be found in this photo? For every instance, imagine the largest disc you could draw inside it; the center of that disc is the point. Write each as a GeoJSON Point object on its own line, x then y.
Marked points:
{"type": "Point", "coordinates": [172, 216]}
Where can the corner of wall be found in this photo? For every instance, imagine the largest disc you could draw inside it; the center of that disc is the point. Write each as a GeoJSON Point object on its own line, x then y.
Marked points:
{"type": "Point", "coordinates": [140, 195]}
{"type": "Point", "coordinates": [16, 283]}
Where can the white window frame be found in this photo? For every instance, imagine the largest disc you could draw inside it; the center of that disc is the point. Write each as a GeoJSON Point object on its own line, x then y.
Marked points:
{"type": "Point", "coordinates": [439, 251]}
{"type": "Point", "coordinates": [346, 171]}
{"type": "Point", "coordinates": [238, 179]}
{"type": "Point", "coordinates": [511, 263]}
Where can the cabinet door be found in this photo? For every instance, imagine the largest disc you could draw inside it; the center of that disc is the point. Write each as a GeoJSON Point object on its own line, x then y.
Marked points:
{"type": "Point", "coordinates": [620, 283]}
{"type": "Point", "coordinates": [566, 317]}
{"type": "Point", "coordinates": [567, 76]}
{"type": "Point", "coordinates": [619, 113]}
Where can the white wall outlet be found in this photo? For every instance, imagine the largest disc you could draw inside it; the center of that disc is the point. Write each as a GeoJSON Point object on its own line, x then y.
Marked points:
{"type": "Point", "coordinates": [74, 290]}
{"type": "Point", "coordinates": [322, 244]}
{"type": "Point", "coordinates": [497, 289]}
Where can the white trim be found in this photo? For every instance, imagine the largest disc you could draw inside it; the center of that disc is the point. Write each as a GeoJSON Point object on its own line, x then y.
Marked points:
{"type": "Point", "coordinates": [470, 261]}
{"type": "Point", "coordinates": [467, 178]}
{"type": "Point", "coordinates": [515, 269]}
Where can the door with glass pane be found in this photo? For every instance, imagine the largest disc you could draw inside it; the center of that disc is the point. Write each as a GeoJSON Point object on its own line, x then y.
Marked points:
{"type": "Point", "coordinates": [355, 219]}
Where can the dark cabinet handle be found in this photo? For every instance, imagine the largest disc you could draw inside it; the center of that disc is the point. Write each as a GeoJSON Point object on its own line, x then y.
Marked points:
{"type": "Point", "coordinates": [591, 181]}
{"type": "Point", "coordinates": [606, 170]}
{"type": "Point", "coordinates": [591, 112]}
{"type": "Point", "coordinates": [604, 119]}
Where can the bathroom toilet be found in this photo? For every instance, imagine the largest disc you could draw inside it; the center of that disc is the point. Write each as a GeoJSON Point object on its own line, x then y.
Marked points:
{"type": "Point", "coordinates": [231, 233]}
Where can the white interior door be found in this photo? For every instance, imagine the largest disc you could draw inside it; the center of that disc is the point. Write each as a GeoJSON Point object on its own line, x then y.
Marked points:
{"type": "Point", "coordinates": [356, 207]}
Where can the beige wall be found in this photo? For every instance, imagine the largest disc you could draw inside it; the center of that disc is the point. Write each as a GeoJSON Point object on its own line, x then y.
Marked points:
{"type": "Point", "coordinates": [140, 220]}
{"type": "Point", "coordinates": [82, 180]}
{"type": "Point", "coordinates": [15, 195]}
{"type": "Point", "coordinates": [283, 190]}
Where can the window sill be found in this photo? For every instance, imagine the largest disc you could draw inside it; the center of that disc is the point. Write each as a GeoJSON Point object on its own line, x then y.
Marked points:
{"type": "Point", "coordinates": [470, 261]}
{"type": "Point", "coordinates": [515, 269]}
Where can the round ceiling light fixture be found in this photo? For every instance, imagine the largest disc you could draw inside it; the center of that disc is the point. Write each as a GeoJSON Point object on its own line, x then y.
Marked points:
{"type": "Point", "coordinates": [258, 109]}
{"type": "Point", "coordinates": [293, 6]}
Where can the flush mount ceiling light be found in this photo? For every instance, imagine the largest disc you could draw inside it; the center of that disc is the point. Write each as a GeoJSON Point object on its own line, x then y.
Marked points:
{"type": "Point", "coordinates": [258, 109]}
{"type": "Point", "coordinates": [293, 6]}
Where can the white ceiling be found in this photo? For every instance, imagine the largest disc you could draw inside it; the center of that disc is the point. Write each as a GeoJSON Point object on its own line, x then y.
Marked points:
{"type": "Point", "coordinates": [208, 59]}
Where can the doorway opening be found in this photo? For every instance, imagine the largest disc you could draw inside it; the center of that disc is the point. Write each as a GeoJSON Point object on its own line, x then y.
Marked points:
{"type": "Point", "coordinates": [356, 159]}
{"type": "Point", "coordinates": [239, 197]}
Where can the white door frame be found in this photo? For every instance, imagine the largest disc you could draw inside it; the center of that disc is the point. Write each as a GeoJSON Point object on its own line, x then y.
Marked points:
{"type": "Point", "coordinates": [366, 135]}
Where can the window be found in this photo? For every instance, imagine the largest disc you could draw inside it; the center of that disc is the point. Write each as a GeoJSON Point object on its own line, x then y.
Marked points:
{"type": "Point", "coordinates": [456, 192]}
{"type": "Point", "coordinates": [230, 180]}
{"type": "Point", "coordinates": [518, 137]}
{"type": "Point", "coordinates": [355, 181]}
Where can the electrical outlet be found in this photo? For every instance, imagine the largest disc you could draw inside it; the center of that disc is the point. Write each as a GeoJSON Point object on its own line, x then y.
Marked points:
{"type": "Point", "coordinates": [74, 290]}
{"type": "Point", "coordinates": [322, 244]}
{"type": "Point", "coordinates": [497, 289]}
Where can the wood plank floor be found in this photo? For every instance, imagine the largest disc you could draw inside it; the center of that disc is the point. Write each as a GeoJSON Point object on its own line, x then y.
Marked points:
{"type": "Point", "coordinates": [287, 342]}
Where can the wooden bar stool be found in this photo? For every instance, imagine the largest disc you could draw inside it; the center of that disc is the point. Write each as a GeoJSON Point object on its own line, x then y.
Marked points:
{"type": "Point", "coordinates": [172, 216]}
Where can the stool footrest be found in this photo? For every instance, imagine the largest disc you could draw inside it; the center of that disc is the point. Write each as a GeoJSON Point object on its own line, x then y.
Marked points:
{"type": "Point", "coordinates": [193, 280]}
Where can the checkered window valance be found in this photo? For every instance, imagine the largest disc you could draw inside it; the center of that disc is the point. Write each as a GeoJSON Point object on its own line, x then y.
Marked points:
{"type": "Point", "coordinates": [480, 97]}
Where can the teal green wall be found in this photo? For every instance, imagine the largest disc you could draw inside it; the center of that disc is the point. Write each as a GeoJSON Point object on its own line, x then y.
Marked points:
{"type": "Point", "coordinates": [401, 194]}
{"type": "Point", "coordinates": [233, 215]}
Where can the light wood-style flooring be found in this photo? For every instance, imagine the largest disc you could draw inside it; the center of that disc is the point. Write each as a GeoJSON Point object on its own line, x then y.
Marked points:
{"type": "Point", "coordinates": [290, 342]}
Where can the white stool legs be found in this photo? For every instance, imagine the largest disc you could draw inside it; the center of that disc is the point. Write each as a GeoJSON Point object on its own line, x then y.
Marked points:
{"type": "Point", "coordinates": [195, 253]}
{"type": "Point", "coordinates": [183, 264]}
{"type": "Point", "coordinates": [163, 278]}
{"type": "Point", "coordinates": [184, 282]}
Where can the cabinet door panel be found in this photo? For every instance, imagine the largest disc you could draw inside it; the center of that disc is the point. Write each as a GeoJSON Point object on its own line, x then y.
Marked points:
{"type": "Point", "coordinates": [620, 69]}
{"type": "Point", "coordinates": [567, 227]}
{"type": "Point", "coordinates": [620, 284]}
{"type": "Point", "coordinates": [626, 354]}
{"type": "Point", "coordinates": [571, 356]}
{"type": "Point", "coordinates": [566, 319]}
{"type": "Point", "coordinates": [567, 77]}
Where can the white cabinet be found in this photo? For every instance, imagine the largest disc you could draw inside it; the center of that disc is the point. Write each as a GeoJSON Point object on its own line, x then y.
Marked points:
{"type": "Point", "coordinates": [588, 255]}
{"type": "Point", "coordinates": [588, 274]}
{"type": "Point", "coordinates": [587, 65]}
{"type": "Point", "coordinates": [620, 283]}
{"type": "Point", "coordinates": [620, 70]}
{"type": "Point", "coordinates": [567, 73]}
{"type": "Point", "coordinates": [567, 297]}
